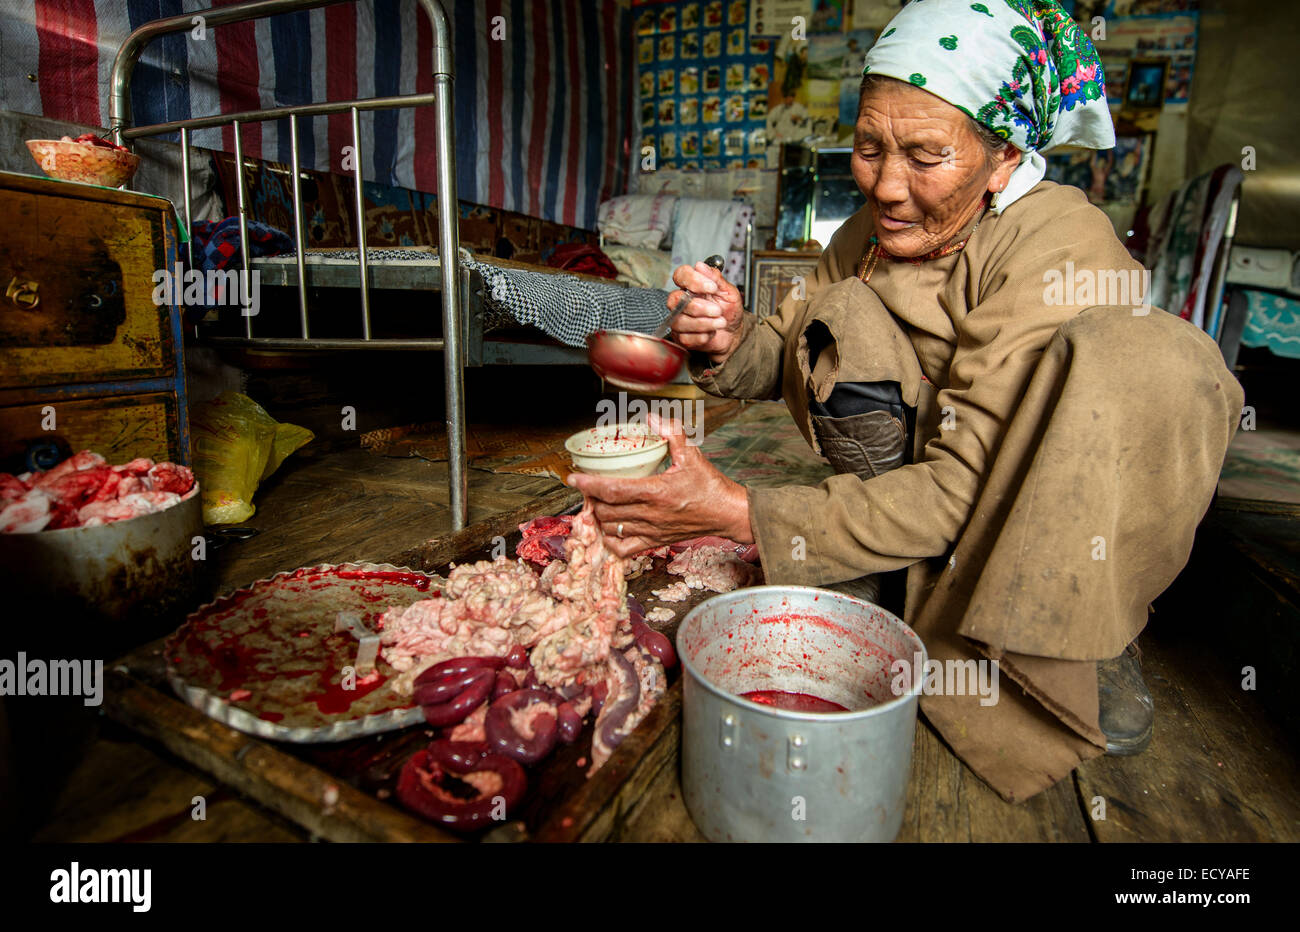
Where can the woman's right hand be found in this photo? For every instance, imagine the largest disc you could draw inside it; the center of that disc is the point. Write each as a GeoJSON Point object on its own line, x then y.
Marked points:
{"type": "Point", "coordinates": [710, 320]}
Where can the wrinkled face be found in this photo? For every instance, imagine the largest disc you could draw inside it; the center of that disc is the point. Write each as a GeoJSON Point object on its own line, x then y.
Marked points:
{"type": "Point", "coordinates": [921, 167]}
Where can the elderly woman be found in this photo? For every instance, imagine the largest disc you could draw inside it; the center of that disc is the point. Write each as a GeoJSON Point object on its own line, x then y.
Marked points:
{"type": "Point", "coordinates": [1007, 419]}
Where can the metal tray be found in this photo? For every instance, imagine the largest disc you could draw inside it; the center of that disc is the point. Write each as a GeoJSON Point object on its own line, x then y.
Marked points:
{"type": "Point", "coordinates": [346, 726]}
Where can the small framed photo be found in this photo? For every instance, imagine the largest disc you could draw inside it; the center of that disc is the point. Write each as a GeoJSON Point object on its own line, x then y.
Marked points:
{"type": "Point", "coordinates": [1144, 88]}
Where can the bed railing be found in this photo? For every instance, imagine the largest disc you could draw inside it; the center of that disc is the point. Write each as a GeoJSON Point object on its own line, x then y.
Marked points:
{"type": "Point", "coordinates": [453, 288]}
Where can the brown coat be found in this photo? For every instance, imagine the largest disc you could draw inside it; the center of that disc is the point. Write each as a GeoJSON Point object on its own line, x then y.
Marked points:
{"type": "Point", "coordinates": [1067, 445]}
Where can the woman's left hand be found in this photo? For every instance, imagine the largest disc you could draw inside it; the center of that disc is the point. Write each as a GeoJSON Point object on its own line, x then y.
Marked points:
{"type": "Point", "coordinates": [689, 499]}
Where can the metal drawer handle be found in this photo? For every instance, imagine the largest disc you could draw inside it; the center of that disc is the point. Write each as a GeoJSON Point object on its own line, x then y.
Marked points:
{"type": "Point", "coordinates": [23, 292]}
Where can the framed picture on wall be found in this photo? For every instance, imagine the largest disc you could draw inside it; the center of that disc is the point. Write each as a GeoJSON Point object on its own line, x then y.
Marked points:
{"type": "Point", "coordinates": [1144, 88]}
{"type": "Point", "coordinates": [773, 275]}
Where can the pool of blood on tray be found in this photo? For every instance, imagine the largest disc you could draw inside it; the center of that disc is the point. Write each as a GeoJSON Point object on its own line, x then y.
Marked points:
{"type": "Point", "coordinates": [237, 662]}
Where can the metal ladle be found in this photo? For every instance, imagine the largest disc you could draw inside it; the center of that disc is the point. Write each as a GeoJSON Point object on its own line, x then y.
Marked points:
{"type": "Point", "coordinates": [641, 362]}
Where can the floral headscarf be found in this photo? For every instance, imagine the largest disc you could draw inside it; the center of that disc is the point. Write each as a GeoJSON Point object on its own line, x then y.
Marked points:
{"type": "Point", "coordinates": [1023, 68]}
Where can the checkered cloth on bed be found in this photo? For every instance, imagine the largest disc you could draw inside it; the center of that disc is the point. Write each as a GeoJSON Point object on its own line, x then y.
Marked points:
{"type": "Point", "coordinates": [568, 308]}
{"type": "Point", "coordinates": [564, 307]}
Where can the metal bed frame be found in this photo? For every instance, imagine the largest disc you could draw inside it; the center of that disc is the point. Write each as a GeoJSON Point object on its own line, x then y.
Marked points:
{"type": "Point", "coordinates": [454, 284]}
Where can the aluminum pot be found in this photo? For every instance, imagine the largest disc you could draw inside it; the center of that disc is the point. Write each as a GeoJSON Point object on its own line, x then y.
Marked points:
{"type": "Point", "coordinates": [101, 581]}
{"type": "Point", "coordinates": [753, 772]}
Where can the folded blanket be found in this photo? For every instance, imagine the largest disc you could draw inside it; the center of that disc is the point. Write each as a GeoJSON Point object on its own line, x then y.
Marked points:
{"type": "Point", "coordinates": [637, 219]}
{"type": "Point", "coordinates": [706, 228]}
{"type": "Point", "coordinates": [646, 268]}
{"type": "Point", "coordinates": [217, 242]}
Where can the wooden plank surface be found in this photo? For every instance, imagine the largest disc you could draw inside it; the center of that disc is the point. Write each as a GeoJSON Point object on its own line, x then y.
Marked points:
{"type": "Point", "coordinates": [947, 802]}
{"type": "Point", "coordinates": [1216, 770]}
{"type": "Point", "coordinates": [324, 805]}
{"type": "Point", "coordinates": [152, 798]}
{"type": "Point", "coordinates": [350, 505]}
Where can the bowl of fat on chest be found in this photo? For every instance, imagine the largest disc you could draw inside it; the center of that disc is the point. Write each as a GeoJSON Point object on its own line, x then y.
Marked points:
{"type": "Point", "coordinates": [626, 451]}
{"type": "Point", "coordinates": [797, 719]}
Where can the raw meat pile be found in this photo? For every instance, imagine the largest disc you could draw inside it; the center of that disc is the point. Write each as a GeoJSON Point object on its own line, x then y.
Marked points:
{"type": "Point", "coordinates": [509, 663]}
{"type": "Point", "coordinates": [84, 491]}
{"type": "Point", "coordinates": [90, 139]}
{"type": "Point", "coordinates": [712, 563]}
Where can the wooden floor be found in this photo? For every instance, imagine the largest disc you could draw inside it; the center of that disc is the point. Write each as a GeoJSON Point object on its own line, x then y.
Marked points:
{"type": "Point", "coordinates": [1224, 764]}
{"type": "Point", "coordinates": [354, 506]}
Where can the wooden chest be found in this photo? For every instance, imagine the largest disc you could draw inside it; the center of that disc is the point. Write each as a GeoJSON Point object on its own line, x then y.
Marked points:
{"type": "Point", "coordinates": [88, 359]}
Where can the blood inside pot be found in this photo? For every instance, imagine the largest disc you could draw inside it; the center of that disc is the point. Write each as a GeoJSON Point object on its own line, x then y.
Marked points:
{"type": "Point", "coordinates": [743, 760]}
{"type": "Point", "coordinates": [794, 702]}
{"type": "Point", "coordinates": [799, 659]}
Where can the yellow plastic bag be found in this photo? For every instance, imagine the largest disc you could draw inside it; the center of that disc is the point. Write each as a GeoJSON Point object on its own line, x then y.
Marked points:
{"type": "Point", "coordinates": [237, 445]}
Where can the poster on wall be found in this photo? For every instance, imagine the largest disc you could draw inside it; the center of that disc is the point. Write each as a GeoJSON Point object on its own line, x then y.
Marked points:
{"type": "Point", "coordinates": [814, 90]}
{"type": "Point", "coordinates": [703, 84]}
{"type": "Point", "coordinates": [1111, 176]}
{"type": "Point", "coordinates": [1133, 35]}
{"type": "Point", "coordinates": [774, 17]}
{"type": "Point", "coordinates": [872, 13]}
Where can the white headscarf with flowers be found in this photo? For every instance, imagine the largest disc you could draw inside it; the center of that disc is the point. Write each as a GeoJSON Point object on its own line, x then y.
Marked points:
{"type": "Point", "coordinates": [1023, 68]}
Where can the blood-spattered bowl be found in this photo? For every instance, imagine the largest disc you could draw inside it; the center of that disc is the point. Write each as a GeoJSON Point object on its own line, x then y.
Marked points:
{"type": "Point", "coordinates": [80, 161]}
{"type": "Point", "coordinates": [628, 451]}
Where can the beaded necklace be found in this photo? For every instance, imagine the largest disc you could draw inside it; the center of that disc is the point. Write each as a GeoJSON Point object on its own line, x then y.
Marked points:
{"type": "Point", "coordinates": [874, 250]}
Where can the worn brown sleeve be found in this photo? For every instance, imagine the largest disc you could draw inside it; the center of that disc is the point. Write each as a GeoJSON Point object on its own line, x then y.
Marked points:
{"type": "Point", "coordinates": [754, 369]}
{"type": "Point", "coordinates": [847, 527]}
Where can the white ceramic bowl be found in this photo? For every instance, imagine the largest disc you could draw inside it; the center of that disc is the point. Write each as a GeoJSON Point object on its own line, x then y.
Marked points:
{"type": "Point", "coordinates": [627, 451]}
